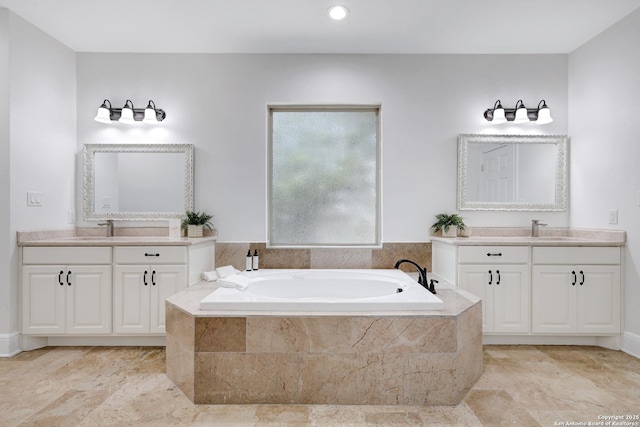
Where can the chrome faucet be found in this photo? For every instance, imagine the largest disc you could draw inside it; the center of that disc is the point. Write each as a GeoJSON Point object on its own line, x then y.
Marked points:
{"type": "Point", "coordinates": [535, 227]}
{"type": "Point", "coordinates": [422, 279]}
{"type": "Point", "coordinates": [109, 225]}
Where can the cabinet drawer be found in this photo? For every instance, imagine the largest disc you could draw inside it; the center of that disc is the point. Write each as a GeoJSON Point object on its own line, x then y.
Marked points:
{"type": "Point", "coordinates": [576, 255]}
{"type": "Point", "coordinates": [493, 254]}
{"type": "Point", "coordinates": [66, 255]}
{"type": "Point", "coordinates": [151, 255]}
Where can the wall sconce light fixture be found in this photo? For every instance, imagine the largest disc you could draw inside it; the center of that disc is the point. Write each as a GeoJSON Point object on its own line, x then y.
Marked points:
{"type": "Point", "coordinates": [128, 114]}
{"type": "Point", "coordinates": [519, 114]}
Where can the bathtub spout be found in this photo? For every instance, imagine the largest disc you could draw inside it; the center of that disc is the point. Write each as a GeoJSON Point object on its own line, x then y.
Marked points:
{"type": "Point", "coordinates": [422, 279]}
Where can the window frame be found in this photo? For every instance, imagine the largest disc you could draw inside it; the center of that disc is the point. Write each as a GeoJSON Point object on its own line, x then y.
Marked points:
{"type": "Point", "coordinates": [377, 109]}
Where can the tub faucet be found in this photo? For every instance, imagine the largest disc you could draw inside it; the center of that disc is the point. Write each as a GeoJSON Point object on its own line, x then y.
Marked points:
{"type": "Point", "coordinates": [422, 279]}
{"type": "Point", "coordinates": [109, 225]}
{"type": "Point", "coordinates": [535, 227]}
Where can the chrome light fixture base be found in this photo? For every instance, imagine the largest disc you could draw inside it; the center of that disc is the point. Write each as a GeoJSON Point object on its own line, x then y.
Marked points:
{"type": "Point", "coordinates": [108, 114]}
{"type": "Point", "coordinates": [539, 115]}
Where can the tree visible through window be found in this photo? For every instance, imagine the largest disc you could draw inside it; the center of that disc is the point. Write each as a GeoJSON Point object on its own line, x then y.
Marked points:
{"type": "Point", "coordinates": [324, 176]}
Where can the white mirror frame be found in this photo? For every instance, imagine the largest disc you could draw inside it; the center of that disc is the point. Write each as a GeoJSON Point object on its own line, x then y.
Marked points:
{"type": "Point", "coordinates": [90, 151]}
{"type": "Point", "coordinates": [561, 184]}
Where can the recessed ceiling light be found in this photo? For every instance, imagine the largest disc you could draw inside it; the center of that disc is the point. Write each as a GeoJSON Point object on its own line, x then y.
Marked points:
{"type": "Point", "coordinates": [338, 12]}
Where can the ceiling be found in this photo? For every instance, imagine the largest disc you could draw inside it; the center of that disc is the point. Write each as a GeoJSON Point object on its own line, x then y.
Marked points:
{"type": "Point", "coordinates": [302, 26]}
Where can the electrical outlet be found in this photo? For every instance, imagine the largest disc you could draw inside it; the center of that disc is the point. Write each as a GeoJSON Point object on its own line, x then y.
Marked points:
{"type": "Point", "coordinates": [34, 198]}
{"type": "Point", "coordinates": [613, 216]}
{"type": "Point", "coordinates": [71, 217]}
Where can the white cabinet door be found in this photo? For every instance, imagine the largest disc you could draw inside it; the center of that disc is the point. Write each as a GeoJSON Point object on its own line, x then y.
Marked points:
{"type": "Point", "coordinates": [576, 299]}
{"type": "Point", "coordinates": [131, 299]}
{"type": "Point", "coordinates": [139, 296]}
{"type": "Point", "coordinates": [88, 299]}
{"type": "Point", "coordinates": [511, 298]}
{"type": "Point", "coordinates": [554, 299]}
{"type": "Point", "coordinates": [166, 281]}
{"type": "Point", "coordinates": [66, 299]}
{"type": "Point", "coordinates": [504, 290]}
{"type": "Point", "coordinates": [43, 300]}
{"type": "Point", "coordinates": [475, 279]}
{"type": "Point", "coordinates": [598, 299]}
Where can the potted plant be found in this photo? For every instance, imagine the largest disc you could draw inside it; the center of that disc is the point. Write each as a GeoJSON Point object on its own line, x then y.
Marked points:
{"type": "Point", "coordinates": [449, 224]}
{"type": "Point", "coordinates": [195, 222]}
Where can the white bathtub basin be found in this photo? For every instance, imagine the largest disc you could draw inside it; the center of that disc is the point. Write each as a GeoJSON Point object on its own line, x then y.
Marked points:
{"type": "Point", "coordinates": [325, 290]}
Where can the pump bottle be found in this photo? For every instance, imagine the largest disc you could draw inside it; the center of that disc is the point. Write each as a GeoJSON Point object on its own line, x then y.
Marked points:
{"type": "Point", "coordinates": [255, 260]}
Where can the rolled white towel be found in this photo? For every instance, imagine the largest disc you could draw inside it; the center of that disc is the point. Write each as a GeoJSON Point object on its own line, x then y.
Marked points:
{"type": "Point", "coordinates": [236, 281]}
{"type": "Point", "coordinates": [209, 276]}
{"type": "Point", "coordinates": [225, 271]}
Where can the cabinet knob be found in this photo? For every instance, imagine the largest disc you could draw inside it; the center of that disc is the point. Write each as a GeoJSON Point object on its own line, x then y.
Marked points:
{"type": "Point", "coordinates": [60, 278]}
{"type": "Point", "coordinates": [498, 254]}
{"type": "Point", "coordinates": [68, 274]}
{"type": "Point", "coordinates": [147, 254]}
{"type": "Point", "coordinates": [144, 278]}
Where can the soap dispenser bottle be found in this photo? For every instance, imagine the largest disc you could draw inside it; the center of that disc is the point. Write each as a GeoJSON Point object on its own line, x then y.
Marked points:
{"type": "Point", "coordinates": [255, 260]}
{"type": "Point", "coordinates": [249, 261]}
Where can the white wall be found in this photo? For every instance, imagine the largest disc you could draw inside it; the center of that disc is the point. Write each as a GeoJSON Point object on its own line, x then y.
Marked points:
{"type": "Point", "coordinates": [6, 248]}
{"type": "Point", "coordinates": [218, 103]}
{"type": "Point", "coordinates": [604, 90]}
{"type": "Point", "coordinates": [42, 143]}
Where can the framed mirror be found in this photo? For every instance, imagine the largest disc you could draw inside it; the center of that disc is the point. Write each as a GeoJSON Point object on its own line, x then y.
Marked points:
{"type": "Point", "coordinates": [512, 172]}
{"type": "Point", "coordinates": [137, 181]}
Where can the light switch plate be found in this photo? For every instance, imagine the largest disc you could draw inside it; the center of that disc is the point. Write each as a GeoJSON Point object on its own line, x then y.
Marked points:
{"type": "Point", "coordinates": [34, 198]}
{"type": "Point", "coordinates": [613, 216]}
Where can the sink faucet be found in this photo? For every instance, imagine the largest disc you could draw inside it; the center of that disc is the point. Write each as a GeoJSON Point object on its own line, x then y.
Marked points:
{"type": "Point", "coordinates": [535, 227]}
{"type": "Point", "coordinates": [422, 279]}
{"type": "Point", "coordinates": [109, 225]}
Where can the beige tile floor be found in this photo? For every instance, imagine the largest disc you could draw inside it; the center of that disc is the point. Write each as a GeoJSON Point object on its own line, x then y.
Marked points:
{"type": "Point", "coordinates": [521, 386]}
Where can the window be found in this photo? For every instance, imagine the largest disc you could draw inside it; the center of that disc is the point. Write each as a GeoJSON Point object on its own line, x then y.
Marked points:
{"type": "Point", "coordinates": [324, 176]}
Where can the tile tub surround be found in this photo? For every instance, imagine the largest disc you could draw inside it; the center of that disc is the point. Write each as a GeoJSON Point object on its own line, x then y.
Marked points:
{"type": "Point", "coordinates": [235, 254]}
{"type": "Point", "coordinates": [404, 358]}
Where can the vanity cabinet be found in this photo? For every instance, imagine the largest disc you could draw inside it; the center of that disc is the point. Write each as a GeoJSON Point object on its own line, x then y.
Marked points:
{"type": "Point", "coordinates": [107, 291]}
{"type": "Point", "coordinates": [499, 275]}
{"type": "Point", "coordinates": [144, 277]}
{"type": "Point", "coordinates": [66, 291]}
{"type": "Point", "coordinates": [550, 291]}
{"type": "Point", "coordinates": [576, 290]}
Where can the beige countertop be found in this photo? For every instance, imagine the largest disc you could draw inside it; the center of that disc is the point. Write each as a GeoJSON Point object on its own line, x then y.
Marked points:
{"type": "Point", "coordinates": [548, 237]}
{"type": "Point", "coordinates": [72, 238]}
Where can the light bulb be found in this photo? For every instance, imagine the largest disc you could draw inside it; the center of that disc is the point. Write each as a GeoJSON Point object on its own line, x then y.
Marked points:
{"type": "Point", "coordinates": [338, 12]}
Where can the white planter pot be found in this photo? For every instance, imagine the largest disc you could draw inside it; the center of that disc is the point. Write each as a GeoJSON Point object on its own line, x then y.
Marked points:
{"type": "Point", "coordinates": [194, 230]}
{"type": "Point", "coordinates": [452, 232]}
